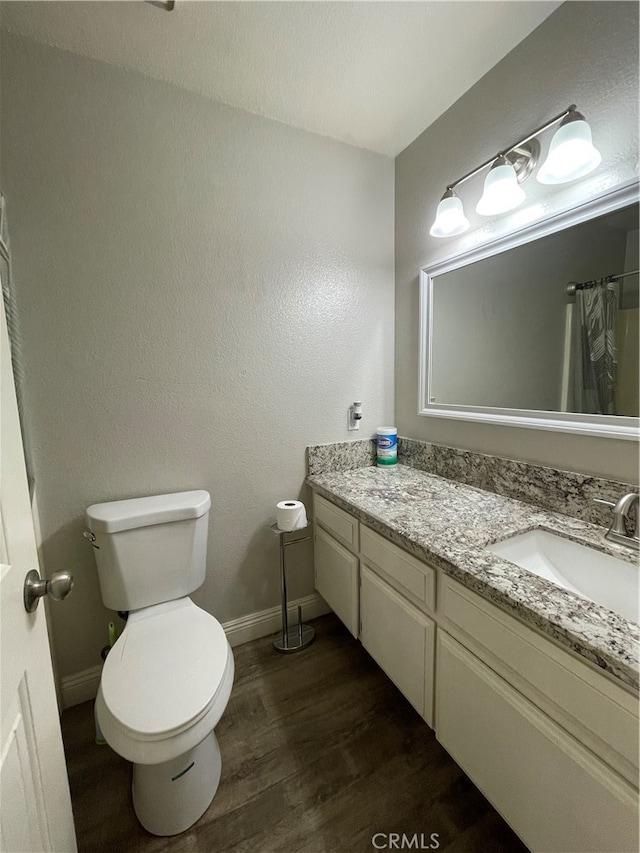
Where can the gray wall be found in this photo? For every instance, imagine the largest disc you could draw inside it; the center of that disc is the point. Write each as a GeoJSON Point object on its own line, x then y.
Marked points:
{"type": "Point", "coordinates": [584, 53]}
{"type": "Point", "coordinates": [202, 292]}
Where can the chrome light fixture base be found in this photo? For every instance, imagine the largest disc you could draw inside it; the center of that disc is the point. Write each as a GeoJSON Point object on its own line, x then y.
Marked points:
{"type": "Point", "coordinates": [524, 159]}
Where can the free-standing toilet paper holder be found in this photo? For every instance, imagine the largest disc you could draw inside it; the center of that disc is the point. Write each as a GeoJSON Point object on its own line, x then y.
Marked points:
{"type": "Point", "coordinates": [290, 639]}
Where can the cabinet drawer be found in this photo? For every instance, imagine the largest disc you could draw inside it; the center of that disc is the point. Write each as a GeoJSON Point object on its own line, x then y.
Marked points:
{"type": "Point", "coordinates": [598, 711]}
{"type": "Point", "coordinates": [554, 793]}
{"type": "Point", "coordinates": [409, 574]}
{"type": "Point", "coordinates": [400, 639]}
{"type": "Point", "coordinates": [340, 524]}
{"type": "Point", "coordinates": [336, 576]}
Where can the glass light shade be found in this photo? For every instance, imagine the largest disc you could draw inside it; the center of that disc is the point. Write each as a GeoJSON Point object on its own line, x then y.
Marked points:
{"type": "Point", "coordinates": [501, 190]}
{"type": "Point", "coordinates": [450, 219]}
{"type": "Point", "coordinates": [571, 153]}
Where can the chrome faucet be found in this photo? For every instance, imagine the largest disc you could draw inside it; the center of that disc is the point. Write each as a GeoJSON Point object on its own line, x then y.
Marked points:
{"type": "Point", "coordinates": [617, 532]}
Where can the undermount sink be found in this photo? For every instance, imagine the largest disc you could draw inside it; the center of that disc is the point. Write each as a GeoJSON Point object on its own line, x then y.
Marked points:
{"type": "Point", "coordinates": [592, 574]}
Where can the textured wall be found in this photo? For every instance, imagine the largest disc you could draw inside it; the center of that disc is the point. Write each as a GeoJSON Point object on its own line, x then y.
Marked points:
{"type": "Point", "coordinates": [202, 292]}
{"type": "Point", "coordinates": [585, 53]}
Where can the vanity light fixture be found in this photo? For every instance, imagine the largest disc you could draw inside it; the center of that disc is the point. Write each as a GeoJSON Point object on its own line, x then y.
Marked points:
{"type": "Point", "coordinates": [502, 191]}
{"type": "Point", "coordinates": [572, 155]}
{"type": "Point", "coordinates": [450, 219]}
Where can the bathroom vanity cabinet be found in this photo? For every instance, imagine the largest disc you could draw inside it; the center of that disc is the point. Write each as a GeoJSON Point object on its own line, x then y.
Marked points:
{"type": "Point", "coordinates": [397, 600]}
{"type": "Point", "coordinates": [551, 743]}
{"type": "Point", "coordinates": [359, 573]}
{"type": "Point", "coordinates": [549, 740]}
{"type": "Point", "coordinates": [336, 541]}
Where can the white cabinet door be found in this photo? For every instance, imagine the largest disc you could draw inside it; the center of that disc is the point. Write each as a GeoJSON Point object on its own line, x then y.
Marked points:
{"type": "Point", "coordinates": [553, 791]}
{"type": "Point", "coordinates": [336, 575]}
{"type": "Point", "coordinates": [400, 639]}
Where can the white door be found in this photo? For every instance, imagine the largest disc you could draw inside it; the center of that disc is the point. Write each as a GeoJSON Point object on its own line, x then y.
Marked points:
{"type": "Point", "coordinates": [35, 811]}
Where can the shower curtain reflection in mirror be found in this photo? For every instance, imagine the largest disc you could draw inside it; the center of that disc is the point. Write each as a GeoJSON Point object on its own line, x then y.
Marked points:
{"type": "Point", "coordinates": [594, 349]}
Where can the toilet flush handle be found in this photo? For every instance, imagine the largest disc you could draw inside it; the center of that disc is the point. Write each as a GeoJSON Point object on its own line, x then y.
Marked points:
{"type": "Point", "coordinates": [92, 538]}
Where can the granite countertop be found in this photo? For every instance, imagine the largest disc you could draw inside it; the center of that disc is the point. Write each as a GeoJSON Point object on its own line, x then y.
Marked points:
{"type": "Point", "coordinates": [449, 525]}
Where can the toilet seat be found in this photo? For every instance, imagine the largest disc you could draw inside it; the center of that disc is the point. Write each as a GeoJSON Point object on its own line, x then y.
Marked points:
{"type": "Point", "coordinates": [165, 683]}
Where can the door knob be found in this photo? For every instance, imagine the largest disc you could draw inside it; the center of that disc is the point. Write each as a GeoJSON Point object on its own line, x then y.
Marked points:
{"type": "Point", "coordinates": [58, 586]}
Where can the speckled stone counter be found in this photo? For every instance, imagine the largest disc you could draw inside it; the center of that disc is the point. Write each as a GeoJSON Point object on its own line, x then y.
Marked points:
{"type": "Point", "coordinates": [449, 525]}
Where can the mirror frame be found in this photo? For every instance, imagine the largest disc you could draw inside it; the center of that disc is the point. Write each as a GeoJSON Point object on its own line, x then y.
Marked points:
{"type": "Point", "coordinates": [607, 426]}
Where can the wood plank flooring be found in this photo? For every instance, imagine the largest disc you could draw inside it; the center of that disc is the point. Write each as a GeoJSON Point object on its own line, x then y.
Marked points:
{"type": "Point", "coordinates": [319, 752]}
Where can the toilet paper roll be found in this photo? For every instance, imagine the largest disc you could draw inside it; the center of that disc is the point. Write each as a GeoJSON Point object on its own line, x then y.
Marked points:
{"type": "Point", "coordinates": [291, 515]}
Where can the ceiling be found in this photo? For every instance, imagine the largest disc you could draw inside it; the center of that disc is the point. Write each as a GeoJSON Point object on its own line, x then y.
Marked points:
{"type": "Point", "coordinates": [372, 74]}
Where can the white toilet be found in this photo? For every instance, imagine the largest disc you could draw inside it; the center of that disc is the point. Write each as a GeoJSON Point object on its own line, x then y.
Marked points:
{"type": "Point", "coordinates": [167, 680]}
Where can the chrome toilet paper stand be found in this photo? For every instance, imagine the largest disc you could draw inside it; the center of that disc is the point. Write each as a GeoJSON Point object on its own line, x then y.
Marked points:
{"type": "Point", "coordinates": [296, 637]}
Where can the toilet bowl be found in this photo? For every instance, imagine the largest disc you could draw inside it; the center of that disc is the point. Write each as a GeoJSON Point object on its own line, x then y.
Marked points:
{"type": "Point", "coordinates": [167, 680]}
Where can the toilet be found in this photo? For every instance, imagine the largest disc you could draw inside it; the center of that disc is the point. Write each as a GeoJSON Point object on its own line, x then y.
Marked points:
{"type": "Point", "coordinates": [167, 680]}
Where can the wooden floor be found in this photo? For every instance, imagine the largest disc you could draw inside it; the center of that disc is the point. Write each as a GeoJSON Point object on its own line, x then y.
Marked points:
{"type": "Point", "coordinates": [319, 752]}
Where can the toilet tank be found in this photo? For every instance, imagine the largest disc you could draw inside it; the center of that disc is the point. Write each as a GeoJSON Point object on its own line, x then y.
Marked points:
{"type": "Point", "coordinates": [150, 550]}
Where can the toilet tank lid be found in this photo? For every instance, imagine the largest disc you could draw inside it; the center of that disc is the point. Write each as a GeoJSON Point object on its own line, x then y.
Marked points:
{"type": "Point", "coordinates": [114, 516]}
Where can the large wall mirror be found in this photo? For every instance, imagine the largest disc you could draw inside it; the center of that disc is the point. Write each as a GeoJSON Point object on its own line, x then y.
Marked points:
{"type": "Point", "coordinates": [539, 329]}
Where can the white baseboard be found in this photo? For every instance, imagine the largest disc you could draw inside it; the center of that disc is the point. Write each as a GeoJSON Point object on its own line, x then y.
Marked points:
{"type": "Point", "coordinates": [82, 686]}
{"type": "Point", "coordinates": [266, 622]}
